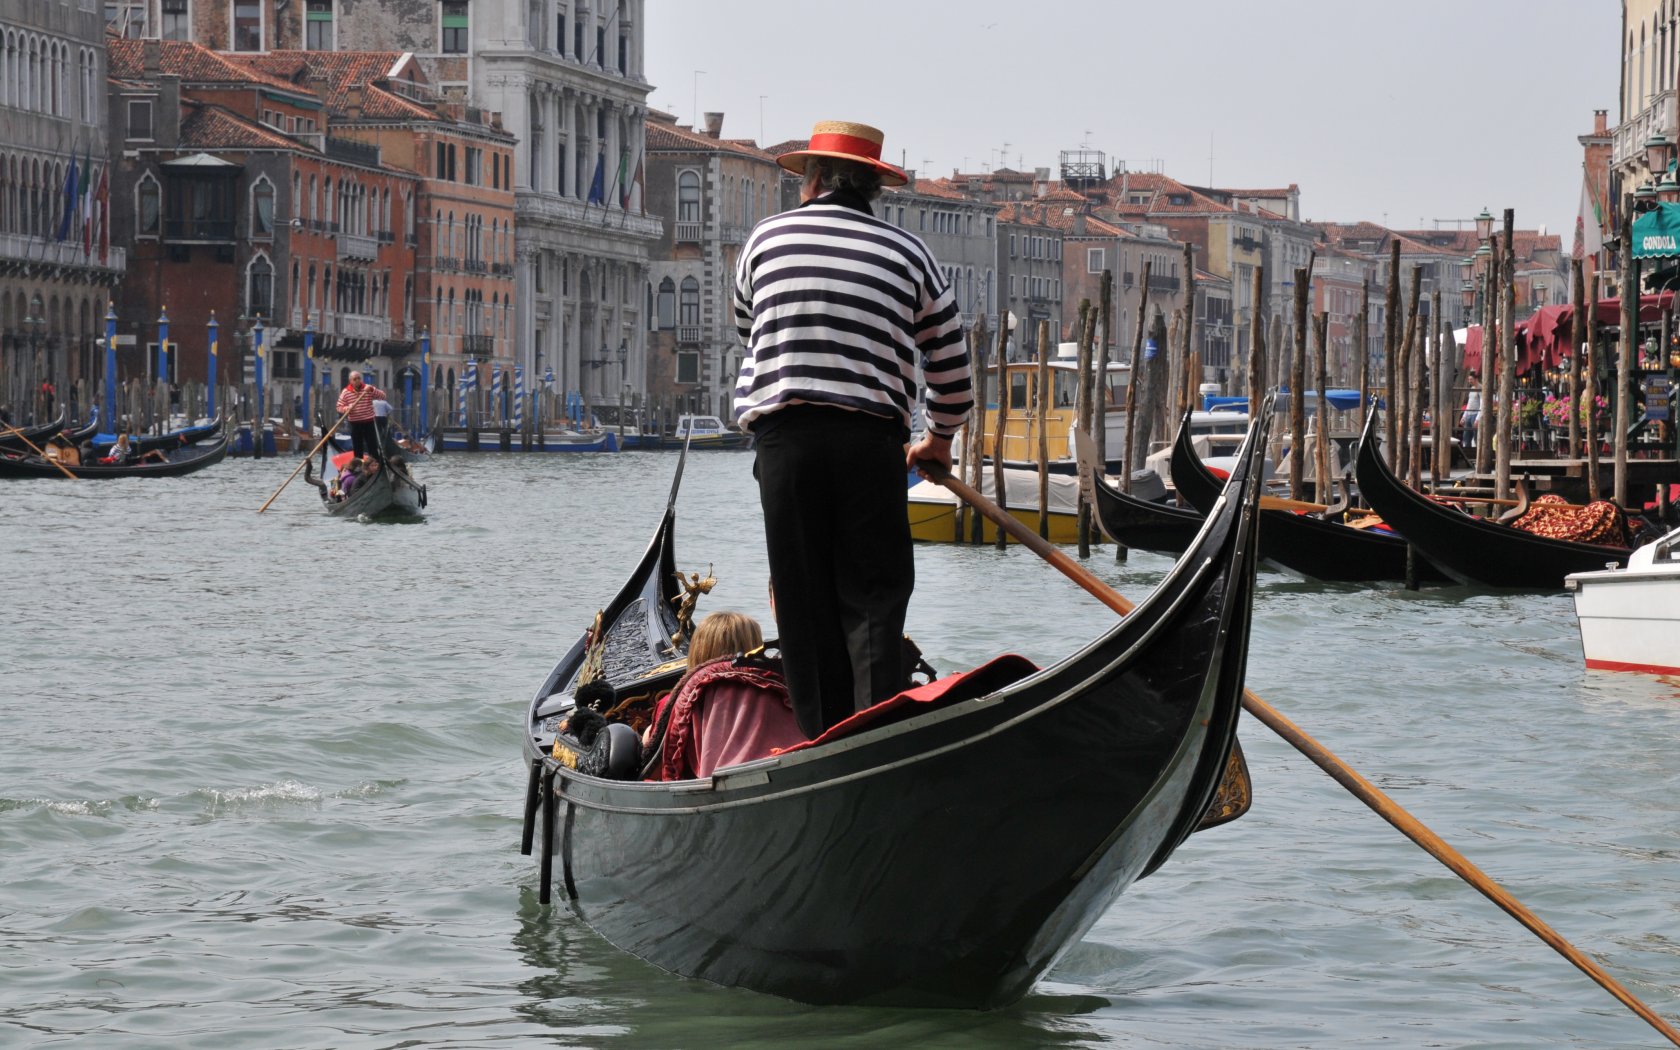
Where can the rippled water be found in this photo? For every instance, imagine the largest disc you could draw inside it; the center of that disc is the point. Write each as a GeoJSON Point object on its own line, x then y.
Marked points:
{"type": "Point", "coordinates": [260, 787]}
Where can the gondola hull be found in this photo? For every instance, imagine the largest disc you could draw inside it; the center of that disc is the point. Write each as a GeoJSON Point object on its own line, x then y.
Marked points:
{"type": "Point", "coordinates": [181, 461]}
{"type": "Point", "coordinates": [1471, 550]}
{"type": "Point", "coordinates": [388, 492]}
{"type": "Point", "coordinates": [22, 438]}
{"type": "Point", "coordinates": [946, 859]}
{"type": "Point", "coordinates": [1304, 544]}
{"type": "Point", "coordinates": [1141, 524]}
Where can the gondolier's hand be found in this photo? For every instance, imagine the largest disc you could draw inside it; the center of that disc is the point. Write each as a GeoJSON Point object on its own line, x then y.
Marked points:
{"type": "Point", "coordinates": [931, 449]}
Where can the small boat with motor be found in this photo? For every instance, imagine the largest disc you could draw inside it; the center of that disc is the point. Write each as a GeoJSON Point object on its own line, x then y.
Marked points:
{"type": "Point", "coordinates": [1630, 617]}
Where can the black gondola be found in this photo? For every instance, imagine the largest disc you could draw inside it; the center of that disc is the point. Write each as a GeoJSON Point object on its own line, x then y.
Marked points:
{"type": "Point", "coordinates": [20, 438]}
{"type": "Point", "coordinates": [180, 461]}
{"type": "Point", "coordinates": [946, 858]}
{"type": "Point", "coordinates": [167, 442]}
{"type": "Point", "coordinates": [1473, 550]}
{"type": "Point", "coordinates": [1136, 523]}
{"type": "Point", "coordinates": [1305, 543]}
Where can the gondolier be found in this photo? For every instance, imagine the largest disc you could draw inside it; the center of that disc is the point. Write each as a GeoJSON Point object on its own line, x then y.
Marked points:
{"type": "Point", "coordinates": [357, 400]}
{"type": "Point", "coordinates": [836, 307]}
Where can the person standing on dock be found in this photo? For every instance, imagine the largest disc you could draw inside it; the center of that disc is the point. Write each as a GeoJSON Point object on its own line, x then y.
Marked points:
{"type": "Point", "coordinates": [357, 400]}
{"type": "Point", "coordinates": [836, 307]}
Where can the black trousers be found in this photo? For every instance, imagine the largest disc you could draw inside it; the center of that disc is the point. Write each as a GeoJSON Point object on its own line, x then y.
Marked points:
{"type": "Point", "coordinates": [832, 485]}
{"type": "Point", "coordinates": [364, 439]}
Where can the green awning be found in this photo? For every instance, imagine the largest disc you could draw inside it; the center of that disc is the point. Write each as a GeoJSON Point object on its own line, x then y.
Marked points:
{"type": "Point", "coordinates": [1656, 234]}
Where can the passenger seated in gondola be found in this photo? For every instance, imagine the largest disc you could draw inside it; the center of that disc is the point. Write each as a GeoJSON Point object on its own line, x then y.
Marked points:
{"type": "Point", "coordinates": [122, 453]}
{"type": "Point", "coordinates": [349, 478]}
{"type": "Point", "coordinates": [723, 712]}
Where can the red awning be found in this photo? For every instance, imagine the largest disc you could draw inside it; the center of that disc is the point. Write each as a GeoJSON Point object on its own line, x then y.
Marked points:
{"type": "Point", "coordinates": [1546, 335]}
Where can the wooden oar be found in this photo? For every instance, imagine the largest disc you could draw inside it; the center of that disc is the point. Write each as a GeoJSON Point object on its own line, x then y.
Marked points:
{"type": "Point", "coordinates": [326, 435]}
{"type": "Point", "coordinates": [1322, 757]}
{"type": "Point", "coordinates": [19, 434]}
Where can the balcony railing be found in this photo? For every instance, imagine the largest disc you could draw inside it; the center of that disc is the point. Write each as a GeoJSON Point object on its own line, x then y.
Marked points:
{"type": "Point", "coordinates": [534, 206]}
{"type": "Point", "coordinates": [357, 246]}
{"type": "Point", "coordinates": [734, 234]}
{"type": "Point", "coordinates": [1162, 284]}
{"type": "Point", "coordinates": [360, 326]}
{"type": "Point", "coordinates": [477, 344]}
{"type": "Point", "coordinates": [20, 247]}
{"type": "Point", "coordinates": [688, 233]}
{"type": "Point", "coordinates": [1628, 142]}
{"type": "Point", "coordinates": [688, 334]}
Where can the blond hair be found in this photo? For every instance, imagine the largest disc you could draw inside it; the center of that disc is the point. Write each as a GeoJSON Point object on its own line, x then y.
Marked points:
{"type": "Point", "coordinates": [723, 634]}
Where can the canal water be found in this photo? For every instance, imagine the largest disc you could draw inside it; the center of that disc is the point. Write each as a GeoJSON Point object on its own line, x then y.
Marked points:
{"type": "Point", "coordinates": [260, 786]}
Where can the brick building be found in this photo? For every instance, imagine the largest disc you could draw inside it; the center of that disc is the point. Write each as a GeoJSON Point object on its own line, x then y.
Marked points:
{"type": "Point", "coordinates": [712, 191]}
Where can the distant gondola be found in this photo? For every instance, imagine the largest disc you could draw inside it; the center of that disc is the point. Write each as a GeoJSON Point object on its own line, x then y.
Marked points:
{"type": "Point", "coordinates": [1472, 550]}
{"type": "Point", "coordinates": [946, 857]}
{"type": "Point", "coordinates": [163, 442]}
{"type": "Point", "coordinates": [1142, 524]}
{"type": "Point", "coordinates": [181, 461]}
{"type": "Point", "coordinates": [19, 440]}
{"type": "Point", "coordinates": [1305, 543]}
{"type": "Point", "coordinates": [391, 490]}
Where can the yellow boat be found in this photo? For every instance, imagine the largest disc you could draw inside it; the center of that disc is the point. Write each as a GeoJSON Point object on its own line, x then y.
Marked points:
{"type": "Point", "coordinates": [933, 508]}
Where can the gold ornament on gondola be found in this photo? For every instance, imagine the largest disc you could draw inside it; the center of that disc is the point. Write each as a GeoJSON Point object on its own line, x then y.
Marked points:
{"type": "Point", "coordinates": [692, 588]}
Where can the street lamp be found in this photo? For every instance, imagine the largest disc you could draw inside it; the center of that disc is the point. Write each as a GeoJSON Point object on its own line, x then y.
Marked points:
{"type": "Point", "coordinates": [1656, 152]}
{"type": "Point", "coordinates": [1484, 226]}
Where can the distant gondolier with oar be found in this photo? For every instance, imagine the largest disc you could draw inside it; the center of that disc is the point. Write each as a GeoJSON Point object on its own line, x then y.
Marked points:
{"type": "Point", "coordinates": [836, 308]}
{"type": "Point", "coordinates": [356, 402]}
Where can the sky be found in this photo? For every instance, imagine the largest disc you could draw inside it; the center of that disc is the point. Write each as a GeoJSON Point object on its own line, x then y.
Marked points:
{"type": "Point", "coordinates": [1401, 114]}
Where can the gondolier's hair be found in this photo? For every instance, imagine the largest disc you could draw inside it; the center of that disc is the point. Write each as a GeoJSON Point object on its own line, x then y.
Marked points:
{"type": "Point", "coordinates": [832, 174]}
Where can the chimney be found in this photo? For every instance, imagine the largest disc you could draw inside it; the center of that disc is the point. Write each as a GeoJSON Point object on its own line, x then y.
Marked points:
{"type": "Point", "coordinates": [151, 57]}
{"type": "Point", "coordinates": [714, 125]}
{"type": "Point", "coordinates": [909, 178]}
{"type": "Point", "coordinates": [1601, 125]}
{"type": "Point", "coordinates": [320, 87]}
{"type": "Point", "coordinates": [353, 101]}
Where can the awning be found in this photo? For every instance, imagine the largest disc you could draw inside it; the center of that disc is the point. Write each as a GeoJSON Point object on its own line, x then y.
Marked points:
{"type": "Point", "coordinates": [1656, 234]}
{"type": "Point", "coordinates": [1546, 335]}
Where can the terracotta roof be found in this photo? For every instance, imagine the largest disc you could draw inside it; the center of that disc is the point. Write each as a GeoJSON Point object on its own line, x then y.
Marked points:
{"type": "Point", "coordinates": [206, 127]}
{"type": "Point", "coordinates": [664, 137]}
{"type": "Point", "coordinates": [1341, 234]}
{"type": "Point", "coordinates": [1167, 196]}
{"type": "Point", "coordinates": [345, 70]}
{"type": "Point", "coordinates": [381, 104]}
{"type": "Point", "coordinates": [787, 147]}
{"type": "Point", "coordinates": [932, 188]}
{"type": "Point", "coordinates": [193, 63]}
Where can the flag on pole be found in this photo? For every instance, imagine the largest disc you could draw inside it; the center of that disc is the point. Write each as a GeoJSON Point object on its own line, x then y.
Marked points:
{"type": "Point", "coordinates": [598, 185]}
{"type": "Point", "coordinates": [102, 197]}
{"type": "Point", "coordinates": [86, 209]}
{"type": "Point", "coordinates": [1589, 223]}
{"type": "Point", "coordinates": [624, 179]}
{"type": "Point", "coordinates": [70, 187]}
{"type": "Point", "coordinates": [639, 184]}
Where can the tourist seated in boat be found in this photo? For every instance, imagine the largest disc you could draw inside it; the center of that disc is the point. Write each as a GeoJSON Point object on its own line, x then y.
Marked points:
{"type": "Point", "coordinates": [123, 454]}
{"type": "Point", "coordinates": [349, 478]}
{"type": "Point", "coordinates": [724, 711]}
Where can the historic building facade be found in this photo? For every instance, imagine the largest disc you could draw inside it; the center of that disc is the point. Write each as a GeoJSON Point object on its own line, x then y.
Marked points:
{"type": "Point", "coordinates": [57, 266]}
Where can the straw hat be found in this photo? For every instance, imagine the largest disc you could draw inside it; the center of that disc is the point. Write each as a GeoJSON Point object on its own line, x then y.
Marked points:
{"type": "Point", "coordinates": [847, 141]}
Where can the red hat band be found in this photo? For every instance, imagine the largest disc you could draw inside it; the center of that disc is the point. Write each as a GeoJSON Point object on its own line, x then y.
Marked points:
{"type": "Point", "coordinates": [832, 142]}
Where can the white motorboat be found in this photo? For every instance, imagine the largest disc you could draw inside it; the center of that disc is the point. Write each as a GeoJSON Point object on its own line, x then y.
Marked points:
{"type": "Point", "coordinates": [1630, 618]}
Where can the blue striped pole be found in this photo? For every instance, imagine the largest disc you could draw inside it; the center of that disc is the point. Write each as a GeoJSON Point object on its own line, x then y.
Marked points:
{"type": "Point", "coordinates": [519, 397]}
{"type": "Point", "coordinates": [110, 420]}
{"type": "Point", "coordinates": [163, 346]}
{"type": "Point", "coordinates": [214, 356]}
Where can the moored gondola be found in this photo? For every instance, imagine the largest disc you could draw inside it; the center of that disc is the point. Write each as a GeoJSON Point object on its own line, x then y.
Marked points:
{"type": "Point", "coordinates": [945, 854]}
{"type": "Point", "coordinates": [1303, 542]}
{"type": "Point", "coordinates": [1136, 523]}
{"type": "Point", "coordinates": [1472, 550]}
{"type": "Point", "coordinates": [18, 439]}
{"type": "Point", "coordinates": [174, 439]}
{"type": "Point", "coordinates": [180, 461]}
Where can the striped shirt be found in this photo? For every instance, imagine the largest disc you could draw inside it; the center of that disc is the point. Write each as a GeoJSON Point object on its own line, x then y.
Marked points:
{"type": "Point", "coordinates": [836, 307]}
{"type": "Point", "coordinates": [359, 402]}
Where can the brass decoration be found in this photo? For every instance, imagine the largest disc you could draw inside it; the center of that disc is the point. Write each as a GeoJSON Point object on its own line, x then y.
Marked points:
{"type": "Point", "coordinates": [1235, 794]}
{"type": "Point", "coordinates": [692, 588]}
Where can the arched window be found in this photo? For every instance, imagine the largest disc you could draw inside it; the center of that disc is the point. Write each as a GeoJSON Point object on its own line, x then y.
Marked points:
{"type": "Point", "coordinates": [146, 196]}
{"type": "Point", "coordinates": [259, 286]}
{"type": "Point", "coordinates": [688, 197]}
{"type": "Point", "coordinates": [667, 308]}
{"type": "Point", "coordinates": [262, 209]}
{"type": "Point", "coordinates": [688, 305]}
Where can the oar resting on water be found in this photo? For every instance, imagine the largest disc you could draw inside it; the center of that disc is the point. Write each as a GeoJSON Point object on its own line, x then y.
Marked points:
{"type": "Point", "coordinates": [1322, 757]}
